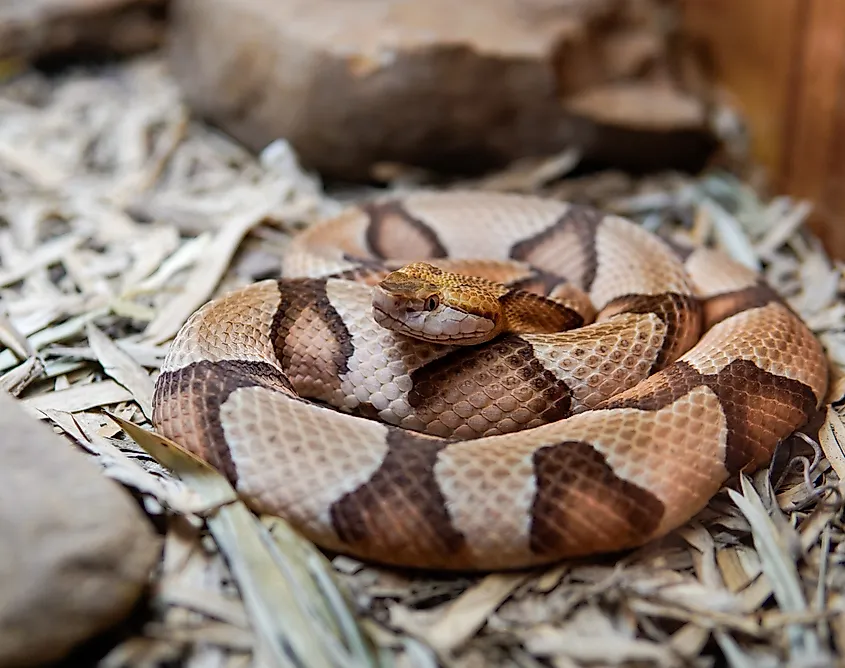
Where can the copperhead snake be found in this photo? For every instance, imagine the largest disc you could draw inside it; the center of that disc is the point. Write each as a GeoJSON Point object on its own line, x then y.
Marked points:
{"type": "Point", "coordinates": [674, 370]}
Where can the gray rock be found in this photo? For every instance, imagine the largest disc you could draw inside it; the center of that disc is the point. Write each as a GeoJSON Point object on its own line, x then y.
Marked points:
{"type": "Point", "coordinates": [456, 87]}
{"type": "Point", "coordinates": [75, 550]}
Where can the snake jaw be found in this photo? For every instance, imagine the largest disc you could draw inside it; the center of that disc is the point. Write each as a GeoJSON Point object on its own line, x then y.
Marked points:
{"type": "Point", "coordinates": [437, 322]}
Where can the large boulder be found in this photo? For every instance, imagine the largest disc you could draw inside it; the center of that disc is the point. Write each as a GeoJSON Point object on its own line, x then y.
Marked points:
{"type": "Point", "coordinates": [443, 85]}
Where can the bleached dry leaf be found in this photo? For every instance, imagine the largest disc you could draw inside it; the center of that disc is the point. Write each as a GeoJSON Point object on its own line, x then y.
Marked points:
{"type": "Point", "coordinates": [836, 390]}
{"type": "Point", "coordinates": [79, 398]}
{"type": "Point", "coordinates": [17, 379]}
{"type": "Point", "coordinates": [204, 277]}
{"type": "Point", "coordinates": [187, 254]}
{"type": "Point", "coordinates": [530, 174]}
{"type": "Point", "coordinates": [149, 253]}
{"type": "Point", "coordinates": [12, 339]}
{"type": "Point", "coordinates": [286, 629]}
{"type": "Point", "coordinates": [784, 224]}
{"type": "Point", "coordinates": [143, 354]}
{"type": "Point", "coordinates": [704, 555]}
{"type": "Point", "coordinates": [706, 619]}
{"type": "Point", "coordinates": [49, 253]}
{"type": "Point", "coordinates": [199, 600]}
{"type": "Point", "coordinates": [756, 594]}
{"type": "Point", "coordinates": [733, 653]}
{"type": "Point", "coordinates": [689, 595]}
{"type": "Point", "coordinates": [122, 368]}
{"type": "Point", "coordinates": [777, 558]}
{"type": "Point", "coordinates": [462, 618]}
{"type": "Point", "coordinates": [689, 640]}
{"type": "Point", "coordinates": [832, 441]}
{"type": "Point", "coordinates": [779, 566]}
{"type": "Point", "coordinates": [66, 330]}
{"type": "Point", "coordinates": [596, 641]}
{"type": "Point", "coordinates": [732, 238]}
{"type": "Point", "coordinates": [116, 463]}
{"type": "Point", "coordinates": [32, 164]}
{"type": "Point", "coordinates": [551, 578]}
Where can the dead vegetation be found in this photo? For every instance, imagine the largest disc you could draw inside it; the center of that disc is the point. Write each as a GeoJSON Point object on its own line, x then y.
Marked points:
{"type": "Point", "coordinates": [119, 217]}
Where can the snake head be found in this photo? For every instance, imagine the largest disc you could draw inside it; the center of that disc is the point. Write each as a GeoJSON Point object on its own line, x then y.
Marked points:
{"type": "Point", "coordinates": [427, 303]}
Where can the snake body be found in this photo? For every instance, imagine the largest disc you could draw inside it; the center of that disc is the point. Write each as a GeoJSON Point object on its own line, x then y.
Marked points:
{"type": "Point", "coordinates": [674, 370]}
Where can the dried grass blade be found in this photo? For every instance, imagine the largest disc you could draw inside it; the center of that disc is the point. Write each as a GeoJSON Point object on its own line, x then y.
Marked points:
{"type": "Point", "coordinates": [66, 330]}
{"type": "Point", "coordinates": [779, 233]}
{"type": "Point", "coordinates": [43, 256]}
{"type": "Point", "coordinates": [822, 627]}
{"type": "Point", "coordinates": [837, 624]}
{"type": "Point", "coordinates": [469, 612]}
{"type": "Point", "coordinates": [203, 278]}
{"type": "Point", "coordinates": [122, 368]}
{"type": "Point", "coordinates": [210, 604]}
{"type": "Point", "coordinates": [183, 257]}
{"type": "Point", "coordinates": [289, 633]}
{"type": "Point", "coordinates": [731, 235]}
{"type": "Point", "coordinates": [214, 634]}
{"type": "Point", "coordinates": [735, 656]}
{"type": "Point", "coordinates": [778, 565]}
{"type": "Point", "coordinates": [16, 380]}
{"type": "Point", "coordinates": [603, 649]}
{"type": "Point", "coordinates": [706, 619]}
{"type": "Point", "coordinates": [314, 577]}
{"type": "Point", "coordinates": [689, 640]}
{"type": "Point", "coordinates": [730, 566]}
{"type": "Point", "coordinates": [831, 439]}
{"type": "Point", "coordinates": [79, 398]}
{"type": "Point", "coordinates": [117, 464]}
{"type": "Point", "coordinates": [143, 354]}
{"type": "Point", "coordinates": [13, 339]}
{"type": "Point", "coordinates": [551, 578]}
{"type": "Point", "coordinates": [35, 167]}
{"type": "Point", "coordinates": [755, 594]}
{"type": "Point", "coordinates": [530, 174]}
{"type": "Point", "coordinates": [813, 528]}
{"type": "Point", "coordinates": [149, 253]}
{"type": "Point", "coordinates": [131, 310]}
{"type": "Point", "coordinates": [703, 556]}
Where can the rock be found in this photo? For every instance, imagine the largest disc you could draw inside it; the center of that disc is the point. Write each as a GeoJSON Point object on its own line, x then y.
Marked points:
{"type": "Point", "coordinates": [77, 552]}
{"type": "Point", "coordinates": [642, 127]}
{"type": "Point", "coordinates": [432, 84]}
{"type": "Point", "coordinates": [31, 29]}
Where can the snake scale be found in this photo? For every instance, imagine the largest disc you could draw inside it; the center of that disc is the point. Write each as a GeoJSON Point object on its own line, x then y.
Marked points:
{"type": "Point", "coordinates": [670, 371]}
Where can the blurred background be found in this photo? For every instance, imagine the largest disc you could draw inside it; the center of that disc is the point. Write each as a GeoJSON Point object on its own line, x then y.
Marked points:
{"type": "Point", "coordinates": [364, 89]}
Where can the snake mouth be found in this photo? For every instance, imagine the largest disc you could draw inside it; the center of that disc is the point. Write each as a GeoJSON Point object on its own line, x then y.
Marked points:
{"type": "Point", "coordinates": [398, 325]}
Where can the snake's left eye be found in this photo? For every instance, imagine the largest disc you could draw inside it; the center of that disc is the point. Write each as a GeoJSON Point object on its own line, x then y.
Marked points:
{"type": "Point", "coordinates": [432, 303]}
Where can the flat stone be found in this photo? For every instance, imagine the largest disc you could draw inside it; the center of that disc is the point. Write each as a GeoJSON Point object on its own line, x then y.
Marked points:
{"type": "Point", "coordinates": [76, 552]}
{"type": "Point", "coordinates": [455, 87]}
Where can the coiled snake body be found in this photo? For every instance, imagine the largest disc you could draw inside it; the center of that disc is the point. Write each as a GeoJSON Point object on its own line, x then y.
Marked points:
{"type": "Point", "coordinates": [672, 373]}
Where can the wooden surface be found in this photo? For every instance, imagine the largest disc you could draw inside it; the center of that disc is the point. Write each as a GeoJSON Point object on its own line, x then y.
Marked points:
{"type": "Point", "coordinates": [783, 63]}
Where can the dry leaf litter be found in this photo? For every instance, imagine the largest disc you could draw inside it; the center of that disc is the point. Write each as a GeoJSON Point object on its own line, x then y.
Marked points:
{"type": "Point", "coordinates": [119, 216]}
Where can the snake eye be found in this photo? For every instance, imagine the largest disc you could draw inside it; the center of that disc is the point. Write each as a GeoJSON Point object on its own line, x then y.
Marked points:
{"type": "Point", "coordinates": [432, 303]}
